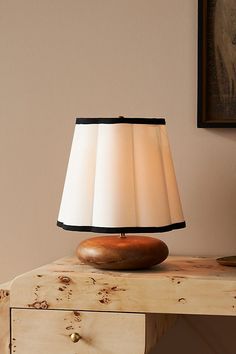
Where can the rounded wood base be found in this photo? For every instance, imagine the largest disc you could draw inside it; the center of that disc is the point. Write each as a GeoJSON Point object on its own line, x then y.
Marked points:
{"type": "Point", "coordinates": [122, 253]}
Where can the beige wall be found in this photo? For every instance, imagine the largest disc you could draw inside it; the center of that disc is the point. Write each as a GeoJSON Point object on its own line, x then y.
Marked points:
{"type": "Point", "coordinates": [67, 58]}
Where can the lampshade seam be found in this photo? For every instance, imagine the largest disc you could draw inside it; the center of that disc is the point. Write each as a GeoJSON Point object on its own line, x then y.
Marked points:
{"type": "Point", "coordinates": [135, 196]}
{"type": "Point", "coordinates": [95, 174]}
{"type": "Point", "coordinates": [164, 174]}
{"type": "Point", "coordinates": [175, 179]}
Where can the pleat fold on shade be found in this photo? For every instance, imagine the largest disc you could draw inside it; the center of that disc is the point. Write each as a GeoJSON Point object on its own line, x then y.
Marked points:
{"type": "Point", "coordinates": [120, 178]}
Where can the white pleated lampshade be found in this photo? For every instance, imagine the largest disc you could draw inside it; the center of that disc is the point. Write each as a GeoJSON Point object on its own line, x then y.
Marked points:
{"type": "Point", "coordinates": [120, 178]}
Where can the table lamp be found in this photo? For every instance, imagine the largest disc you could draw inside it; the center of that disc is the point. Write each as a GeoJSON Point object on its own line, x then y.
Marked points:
{"type": "Point", "coordinates": [120, 180]}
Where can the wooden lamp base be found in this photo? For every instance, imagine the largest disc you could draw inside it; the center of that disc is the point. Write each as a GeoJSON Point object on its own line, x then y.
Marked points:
{"type": "Point", "coordinates": [122, 253]}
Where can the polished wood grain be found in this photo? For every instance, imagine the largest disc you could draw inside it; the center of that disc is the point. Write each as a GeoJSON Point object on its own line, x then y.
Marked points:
{"type": "Point", "coordinates": [122, 253]}
{"type": "Point", "coordinates": [5, 318]}
{"type": "Point", "coordinates": [101, 333]}
{"type": "Point", "coordinates": [97, 332]}
{"type": "Point", "coordinates": [184, 285]}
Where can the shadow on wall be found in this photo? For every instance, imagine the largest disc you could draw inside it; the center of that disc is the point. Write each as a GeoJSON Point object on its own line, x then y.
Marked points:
{"type": "Point", "coordinates": [227, 133]}
{"type": "Point", "coordinates": [199, 334]}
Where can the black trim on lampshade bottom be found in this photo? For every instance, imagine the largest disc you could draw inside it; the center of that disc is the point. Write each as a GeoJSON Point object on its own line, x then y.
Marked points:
{"type": "Point", "coordinates": [121, 120]}
{"type": "Point", "coordinates": [125, 230]}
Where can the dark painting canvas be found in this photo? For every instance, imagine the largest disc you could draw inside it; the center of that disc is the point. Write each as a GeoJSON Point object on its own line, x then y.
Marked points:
{"type": "Point", "coordinates": [217, 63]}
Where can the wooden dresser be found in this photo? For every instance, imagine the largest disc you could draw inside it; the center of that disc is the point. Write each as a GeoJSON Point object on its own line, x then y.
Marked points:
{"type": "Point", "coordinates": [69, 308]}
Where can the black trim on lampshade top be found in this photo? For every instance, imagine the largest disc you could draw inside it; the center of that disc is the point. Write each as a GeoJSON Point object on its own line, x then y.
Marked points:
{"type": "Point", "coordinates": [121, 120]}
{"type": "Point", "coordinates": [125, 230]}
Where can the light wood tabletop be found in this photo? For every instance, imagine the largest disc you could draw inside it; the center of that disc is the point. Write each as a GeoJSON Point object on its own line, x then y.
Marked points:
{"type": "Point", "coordinates": [108, 312]}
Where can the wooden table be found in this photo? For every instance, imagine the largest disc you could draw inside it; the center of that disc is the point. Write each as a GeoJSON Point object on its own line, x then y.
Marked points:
{"type": "Point", "coordinates": [68, 307]}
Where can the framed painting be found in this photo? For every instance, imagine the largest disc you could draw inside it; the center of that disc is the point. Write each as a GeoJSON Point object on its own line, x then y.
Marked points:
{"type": "Point", "coordinates": [216, 64]}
